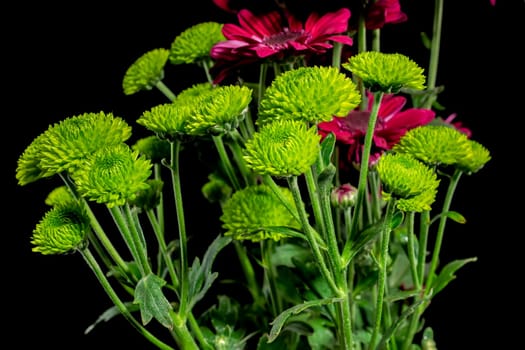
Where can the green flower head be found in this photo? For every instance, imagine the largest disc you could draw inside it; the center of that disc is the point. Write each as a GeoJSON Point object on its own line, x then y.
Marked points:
{"type": "Point", "coordinates": [312, 94]}
{"type": "Point", "coordinates": [283, 148]}
{"type": "Point", "coordinates": [148, 198]}
{"type": "Point", "coordinates": [194, 44]}
{"type": "Point", "coordinates": [167, 120]}
{"type": "Point", "coordinates": [145, 72]}
{"type": "Point", "coordinates": [408, 179]}
{"type": "Point", "coordinates": [220, 111]}
{"type": "Point", "coordinates": [436, 145]}
{"type": "Point", "coordinates": [59, 195]}
{"type": "Point", "coordinates": [62, 230]}
{"type": "Point", "coordinates": [194, 92]}
{"type": "Point", "coordinates": [113, 175]}
{"type": "Point", "coordinates": [386, 72]}
{"type": "Point", "coordinates": [153, 147]}
{"type": "Point", "coordinates": [480, 156]}
{"type": "Point", "coordinates": [66, 144]}
{"type": "Point", "coordinates": [248, 211]}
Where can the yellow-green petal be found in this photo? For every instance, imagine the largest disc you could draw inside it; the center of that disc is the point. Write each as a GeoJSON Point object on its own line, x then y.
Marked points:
{"type": "Point", "coordinates": [194, 44]}
{"type": "Point", "coordinates": [145, 72]}
{"type": "Point", "coordinates": [386, 72]}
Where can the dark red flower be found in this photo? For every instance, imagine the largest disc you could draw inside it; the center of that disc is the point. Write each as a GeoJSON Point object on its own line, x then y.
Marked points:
{"type": "Point", "coordinates": [272, 37]}
{"type": "Point", "coordinates": [392, 123]}
{"type": "Point", "coordinates": [382, 12]}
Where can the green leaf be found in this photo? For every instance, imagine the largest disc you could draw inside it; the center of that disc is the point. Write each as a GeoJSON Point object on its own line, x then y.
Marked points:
{"type": "Point", "coordinates": [109, 314]}
{"type": "Point", "coordinates": [280, 320]}
{"type": "Point", "coordinates": [200, 276]}
{"type": "Point", "coordinates": [285, 254]}
{"type": "Point", "coordinates": [353, 247]}
{"type": "Point", "coordinates": [322, 336]}
{"type": "Point", "coordinates": [327, 148]}
{"type": "Point", "coordinates": [152, 302]}
{"type": "Point", "coordinates": [448, 273]}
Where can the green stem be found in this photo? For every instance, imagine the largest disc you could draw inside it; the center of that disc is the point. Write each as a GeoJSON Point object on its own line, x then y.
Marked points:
{"type": "Point", "coordinates": [412, 251]}
{"type": "Point", "coordinates": [303, 216]}
{"type": "Point", "coordinates": [434, 52]}
{"type": "Point", "coordinates": [249, 273]}
{"type": "Point", "coordinates": [441, 228]}
{"type": "Point", "coordinates": [165, 90]}
{"type": "Point", "coordinates": [177, 195]}
{"type": "Point", "coordinates": [363, 172]}
{"type": "Point", "coordinates": [139, 239]}
{"type": "Point", "coordinates": [101, 276]}
{"type": "Point", "coordinates": [381, 284]}
{"type": "Point", "coordinates": [311, 185]}
{"type": "Point", "coordinates": [225, 160]}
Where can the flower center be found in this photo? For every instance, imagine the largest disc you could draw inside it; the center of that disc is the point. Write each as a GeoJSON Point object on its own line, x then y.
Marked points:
{"type": "Point", "coordinates": [281, 39]}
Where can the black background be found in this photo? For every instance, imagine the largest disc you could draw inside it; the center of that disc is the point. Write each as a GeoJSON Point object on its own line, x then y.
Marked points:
{"type": "Point", "coordinates": [64, 60]}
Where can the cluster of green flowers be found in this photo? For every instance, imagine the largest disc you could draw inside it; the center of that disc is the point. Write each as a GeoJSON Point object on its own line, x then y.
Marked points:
{"type": "Point", "coordinates": [267, 141]}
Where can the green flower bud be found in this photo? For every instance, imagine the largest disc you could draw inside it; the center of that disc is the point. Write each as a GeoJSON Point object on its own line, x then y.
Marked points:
{"type": "Point", "coordinates": [407, 180]}
{"type": "Point", "coordinates": [216, 189]}
{"type": "Point", "coordinates": [311, 94]}
{"type": "Point", "coordinates": [145, 72]}
{"type": "Point", "coordinates": [282, 148]}
{"type": "Point", "coordinates": [113, 175]}
{"type": "Point", "coordinates": [148, 198]}
{"type": "Point", "coordinates": [153, 148]}
{"type": "Point", "coordinates": [220, 111]}
{"type": "Point", "coordinates": [251, 209]}
{"type": "Point", "coordinates": [344, 196]}
{"type": "Point", "coordinates": [65, 145]}
{"type": "Point", "coordinates": [436, 145]}
{"type": "Point", "coordinates": [62, 230]}
{"type": "Point", "coordinates": [194, 44]}
{"type": "Point", "coordinates": [386, 72]}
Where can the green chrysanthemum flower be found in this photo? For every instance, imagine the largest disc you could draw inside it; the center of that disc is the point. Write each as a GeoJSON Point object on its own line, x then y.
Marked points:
{"type": "Point", "coordinates": [480, 157]}
{"type": "Point", "coordinates": [312, 94]}
{"type": "Point", "coordinates": [113, 175]}
{"type": "Point", "coordinates": [28, 168]}
{"type": "Point", "coordinates": [193, 92]}
{"type": "Point", "coordinates": [220, 111]}
{"type": "Point", "coordinates": [145, 72]}
{"type": "Point", "coordinates": [436, 145]}
{"type": "Point", "coordinates": [194, 44]}
{"type": "Point", "coordinates": [60, 195]}
{"type": "Point", "coordinates": [153, 148]}
{"type": "Point", "coordinates": [168, 120]}
{"type": "Point", "coordinates": [282, 148]}
{"type": "Point", "coordinates": [62, 230]}
{"type": "Point", "coordinates": [408, 179]}
{"type": "Point", "coordinates": [64, 145]}
{"type": "Point", "coordinates": [150, 197]}
{"type": "Point", "coordinates": [386, 72]}
{"type": "Point", "coordinates": [251, 209]}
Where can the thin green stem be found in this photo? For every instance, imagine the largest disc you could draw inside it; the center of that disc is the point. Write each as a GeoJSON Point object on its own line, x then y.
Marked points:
{"type": "Point", "coordinates": [434, 52]}
{"type": "Point", "coordinates": [363, 172]}
{"type": "Point", "coordinates": [106, 285]}
{"type": "Point", "coordinates": [303, 216]}
{"type": "Point", "coordinates": [225, 160]}
{"type": "Point", "coordinates": [165, 90]}
{"type": "Point", "coordinates": [441, 228]}
{"type": "Point", "coordinates": [179, 208]}
{"type": "Point", "coordinates": [381, 283]}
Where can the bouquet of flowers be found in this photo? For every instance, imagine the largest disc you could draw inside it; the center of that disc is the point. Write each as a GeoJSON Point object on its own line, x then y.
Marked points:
{"type": "Point", "coordinates": [331, 165]}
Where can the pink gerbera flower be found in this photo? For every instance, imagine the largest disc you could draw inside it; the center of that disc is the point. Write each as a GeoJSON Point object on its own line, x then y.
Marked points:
{"type": "Point", "coordinates": [272, 37]}
{"type": "Point", "coordinates": [392, 123]}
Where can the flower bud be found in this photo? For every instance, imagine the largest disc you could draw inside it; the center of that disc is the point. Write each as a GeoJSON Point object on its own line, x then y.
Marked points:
{"type": "Point", "coordinates": [344, 196]}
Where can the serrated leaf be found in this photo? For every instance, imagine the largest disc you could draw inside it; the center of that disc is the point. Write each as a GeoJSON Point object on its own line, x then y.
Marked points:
{"type": "Point", "coordinates": [109, 314]}
{"type": "Point", "coordinates": [280, 320]}
{"type": "Point", "coordinates": [352, 247]}
{"type": "Point", "coordinates": [152, 302]}
{"type": "Point", "coordinates": [448, 273]}
{"type": "Point", "coordinates": [200, 276]}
